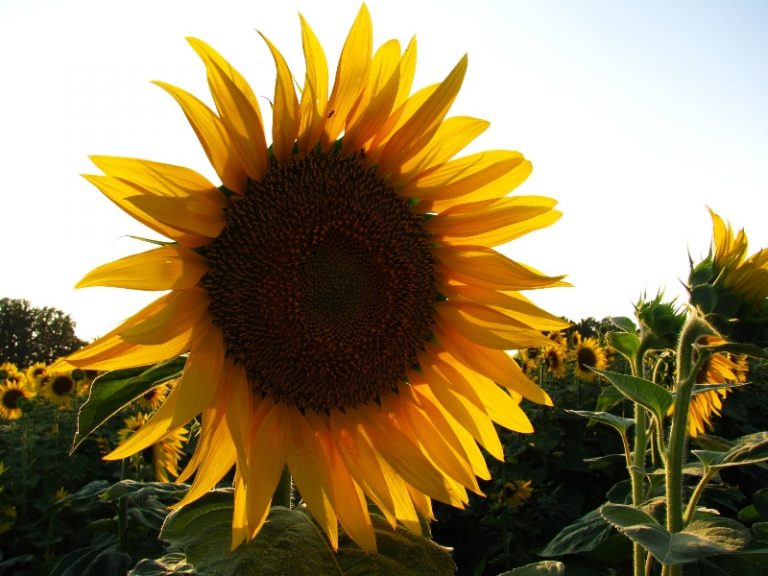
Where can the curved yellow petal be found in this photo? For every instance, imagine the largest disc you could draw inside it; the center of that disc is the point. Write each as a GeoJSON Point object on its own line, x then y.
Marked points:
{"type": "Point", "coordinates": [481, 266]}
{"type": "Point", "coordinates": [240, 532]}
{"type": "Point", "coordinates": [198, 215]}
{"type": "Point", "coordinates": [171, 267]}
{"type": "Point", "coordinates": [314, 96]}
{"type": "Point", "coordinates": [213, 137]}
{"type": "Point", "coordinates": [184, 309]}
{"type": "Point", "coordinates": [422, 126]}
{"type": "Point", "coordinates": [494, 364]}
{"type": "Point", "coordinates": [451, 137]}
{"type": "Point", "coordinates": [118, 191]}
{"type": "Point", "coordinates": [286, 113]}
{"type": "Point", "coordinates": [238, 109]}
{"type": "Point", "coordinates": [305, 461]}
{"type": "Point", "coordinates": [351, 74]}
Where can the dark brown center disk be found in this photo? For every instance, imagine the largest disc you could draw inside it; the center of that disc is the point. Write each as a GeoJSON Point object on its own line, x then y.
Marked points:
{"type": "Point", "coordinates": [322, 283]}
{"type": "Point", "coordinates": [11, 398]}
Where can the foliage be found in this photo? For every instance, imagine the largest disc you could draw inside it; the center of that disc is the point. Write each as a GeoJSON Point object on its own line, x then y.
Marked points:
{"type": "Point", "coordinates": [29, 335]}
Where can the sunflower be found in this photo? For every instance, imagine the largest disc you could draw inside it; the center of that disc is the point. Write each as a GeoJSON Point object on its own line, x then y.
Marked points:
{"type": "Point", "coordinates": [11, 393]}
{"type": "Point", "coordinates": [35, 374]}
{"type": "Point", "coordinates": [152, 399]}
{"type": "Point", "coordinates": [9, 373]}
{"type": "Point", "coordinates": [515, 493]}
{"type": "Point", "coordinates": [165, 454]}
{"type": "Point", "coordinates": [588, 354]}
{"type": "Point", "coordinates": [339, 296]}
{"type": "Point", "coordinates": [554, 357]}
{"type": "Point", "coordinates": [59, 387]}
{"type": "Point", "coordinates": [719, 368]}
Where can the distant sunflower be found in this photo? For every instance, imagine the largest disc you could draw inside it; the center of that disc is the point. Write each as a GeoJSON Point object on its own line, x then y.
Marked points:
{"type": "Point", "coordinates": [515, 493]}
{"type": "Point", "coordinates": [9, 372]}
{"type": "Point", "coordinates": [554, 356]}
{"type": "Point", "coordinates": [59, 387]}
{"type": "Point", "coordinates": [340, 298]}
{"type": "Point", "coordinates": [718, 369]}
{"type": "Point", "coordinates": [163, 455]}
{"type": "Point", "coordinates": [152, 399]}
{"type": "Point", "coordinates": [11, 393]}
{"type": "Point", "coordinates": [35, 374]}
{"type": "Point", "coordinates": [588, 354]}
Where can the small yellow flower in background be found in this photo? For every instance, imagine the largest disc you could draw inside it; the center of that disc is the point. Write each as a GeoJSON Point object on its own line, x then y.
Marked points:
{"type": "Point", "coordinates": [515, 493]}
{"type": "Point", "coordinates": [59, 387]}
{"type": "Point", "coordinates": [165, 454]}
{"type": "Point", "coordinates": [345, 312]}
{"type": "Point", "coordinates": [152, 399]}
{"type": "Point", "coordinates": [588, 354]}
{"type": "Point", "coordinates": [11, 393]}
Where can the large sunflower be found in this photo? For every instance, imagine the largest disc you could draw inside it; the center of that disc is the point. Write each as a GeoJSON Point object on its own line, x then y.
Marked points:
{"type": "Point", "coordinates": [340, 298]}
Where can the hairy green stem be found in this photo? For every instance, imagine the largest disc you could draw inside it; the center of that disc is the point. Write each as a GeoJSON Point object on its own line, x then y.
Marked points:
{"type": "Point", "coordinates": [697, 492]}
{"type": "Point", "coordinates": [636, 465]}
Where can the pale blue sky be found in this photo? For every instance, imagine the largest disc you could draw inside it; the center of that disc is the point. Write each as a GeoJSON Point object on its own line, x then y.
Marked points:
{"type": "Point", "coordinates": [636, 116]}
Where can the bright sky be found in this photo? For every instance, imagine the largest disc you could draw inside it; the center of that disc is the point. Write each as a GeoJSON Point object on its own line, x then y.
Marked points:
{"type": "Point", "coordinates": [636, 116]}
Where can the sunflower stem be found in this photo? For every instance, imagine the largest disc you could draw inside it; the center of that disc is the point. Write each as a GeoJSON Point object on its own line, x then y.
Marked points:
{"type": "Point", "coordinates": [694, 328]}
{"type": "Point", "coordinates": [283, 495]}
{"type": "Point", "coordinates": [638, 456]}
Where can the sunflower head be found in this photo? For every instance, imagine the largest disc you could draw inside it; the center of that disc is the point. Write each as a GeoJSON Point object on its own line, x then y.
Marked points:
{"type": "Point", "coordinates": [59, 387]}
{"type": "Point", "coordinates": [515, 493]}
{"type": "Point", "coordinates": [9, 373]}
{"type": "Point", "coordinates": [12, 397]}
{"type": "Point", "coordinates": [555, 358]}
{"type": "Point", "coordinates": [731, 288]}
{"type": "Point", "coordinates": [36, 372]}
{"type": "Point", "coordinates": [588, 354]}
{"type": "Point", "coordinates": [661, 322]}
{"type": "Point", "coordinates": [164, 455]}
{"type": "Point", "coordinates": [339, 297]}
{"type": "Point", "coordinates": [152, 399]}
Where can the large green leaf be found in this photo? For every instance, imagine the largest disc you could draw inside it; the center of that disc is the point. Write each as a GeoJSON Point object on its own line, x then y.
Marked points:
{"type": "Point", "coordinates": [649, 394]}
{"type": "Point", "coordinates": [583, 535]}
{"type": "Point", "coordinates": [113, 390]}
{"type": "Point", "coordinates": [625, 343]}
{"type": "Point", "coordinates": [290, 542]}
{"type": "Point", "coordinates": [749, 449]}
{"type": "Point", "coordinates": [706, 536]}
{"type": "Point", "coordinates": [624, 322]}
{"type": "Point", "coordinates": [543, 568]}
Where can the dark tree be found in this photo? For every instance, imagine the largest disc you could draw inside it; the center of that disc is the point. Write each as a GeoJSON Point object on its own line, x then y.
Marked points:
{"type": "Point", "coordinates": [29, 335]}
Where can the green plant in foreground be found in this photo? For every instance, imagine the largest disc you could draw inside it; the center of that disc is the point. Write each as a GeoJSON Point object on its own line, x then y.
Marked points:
{"type": "Point", "coordinates": [663, 518]}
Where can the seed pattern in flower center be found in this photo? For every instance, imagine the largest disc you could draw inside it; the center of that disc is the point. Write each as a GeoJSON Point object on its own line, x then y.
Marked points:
{"type": "Point", "coordinates": [322, 283]}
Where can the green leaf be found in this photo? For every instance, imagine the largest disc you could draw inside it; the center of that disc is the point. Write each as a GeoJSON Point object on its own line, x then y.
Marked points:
{"type": "Point", "coordinates": [625, 343]}
{"type": "Point", "coordinates": [543, 568]}
{"type": "Point", "coordinates": [168, 565]}
{"type": "Point", "coordinates": [583, 535]}
{"type": "Point", "coordinates": [706, 536]}
{"type": "Point", "coordinates": [290, 542]}
{"type": "Point", "coordinates": [113, 390]}
{"type": "Point", "coordinates": [624, 323]}
{"type": "Point", "coordinates": [760, 501]}
{"type": "Point", "coordinates": [161, 490]}
{"type": "Point", "coordinates": [749, 449]}
{"type": "Point", "coordinates": [616, 422]}
{"type": "Point", "coordinates": [608, 398]}
{"type": "Point", "coordinates": [649, 394]}
{"type": "Point", "coordinates": [93, 562]}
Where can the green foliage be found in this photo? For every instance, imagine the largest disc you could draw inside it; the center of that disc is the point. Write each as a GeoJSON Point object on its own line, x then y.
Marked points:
{"type": "Point", "coordinates": [290, 542]}
{"type": "Point", "coordinates": [29, 335]}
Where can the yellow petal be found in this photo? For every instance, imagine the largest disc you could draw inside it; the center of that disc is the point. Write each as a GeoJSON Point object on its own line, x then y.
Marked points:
{"type": "Point", "coordinates": [196, 214]}
{"type": "Point", "coordinates": [479, 176]}
{"type": "Point", "coordinates": [184, 309]}
{"type": "Point", "coordinates": [451, 137]}
{"type": "Point", "coordinates": [238, 109]}
{"type": "Point", "coordinates": [351, 74]}
{"type": "Point", "coordinates": [422, 126]}
{"type": "Point", "coordinates": [346, 496]}
{"type": "Point", "coordinates": [285, 126]}
{"type": "Point", "coordinates": [170, 267]}
{"type": "Point", "coordinates": [213, 137]}
{"type": "Point", "coordinates": [481, 266]}
{"type": "Point", "coordinates": [239, 519]}
{"type": "Point", "coordinates": [314, 96]}
{"type": "Point", "coordinates": [240, 408]}
{"type": "Point", "coordinates": [494, 364]}
{"type": "Point", "coordinates": [118, 191]}
{"type": "Point", "coordinates": [488, 327]}
{"type": "Point", "coordinates": [305, 460]}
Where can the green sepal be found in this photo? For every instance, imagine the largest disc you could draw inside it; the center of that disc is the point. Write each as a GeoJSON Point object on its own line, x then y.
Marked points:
{"type": "Point", "coordinates": [655, 398]}
{"type": "Point", "coordinates": [112, 391]}
{"type": "Point", "coordinates": [290, 542]}
{"type": "Point", "coordinates": [708, 535]}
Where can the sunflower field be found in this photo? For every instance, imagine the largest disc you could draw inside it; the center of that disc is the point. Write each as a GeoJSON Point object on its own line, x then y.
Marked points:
{"type": "Point", "coordinates": [343, 374]}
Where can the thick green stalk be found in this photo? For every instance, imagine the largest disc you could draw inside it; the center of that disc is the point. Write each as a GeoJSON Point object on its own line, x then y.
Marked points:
{"type": "Point", "coordinates": [694, 328]}
{"type": "Point", "coordinates": [637, 464]}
